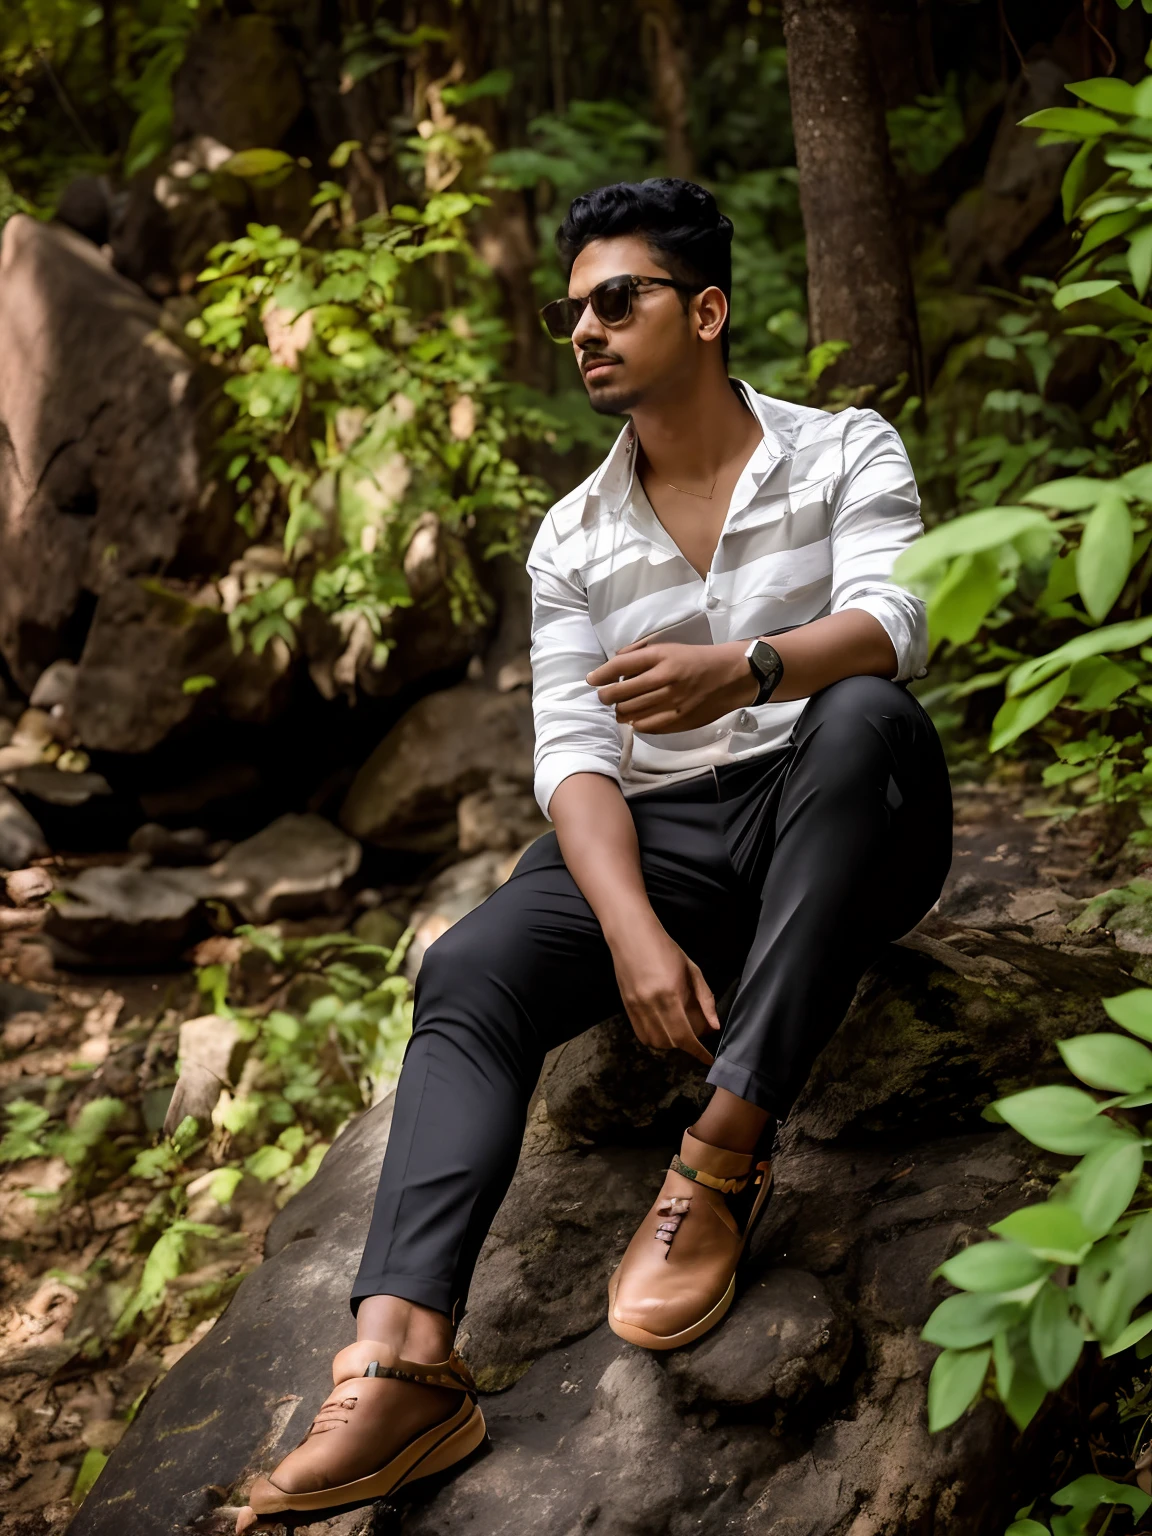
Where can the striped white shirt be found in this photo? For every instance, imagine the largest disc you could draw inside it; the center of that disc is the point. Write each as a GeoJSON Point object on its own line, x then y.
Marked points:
{"type": "Point", "coordinates": [819, 514]}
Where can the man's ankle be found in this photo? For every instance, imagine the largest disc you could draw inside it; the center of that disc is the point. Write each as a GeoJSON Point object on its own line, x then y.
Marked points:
{"type": "Point", "coordinates": [415, 1332]}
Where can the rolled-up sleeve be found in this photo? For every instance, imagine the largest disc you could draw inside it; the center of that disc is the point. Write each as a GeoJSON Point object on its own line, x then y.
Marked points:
{"type": "Point", "coordinates": [876, 515]}
{"type": "Point", "coordinates": [575, 733]}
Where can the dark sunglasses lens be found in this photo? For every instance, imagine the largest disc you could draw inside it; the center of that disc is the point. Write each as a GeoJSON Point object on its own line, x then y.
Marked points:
{"type": "Point", "coordinates": [561, 317]}
{"type": "Point", "coordinates": [612, 301]}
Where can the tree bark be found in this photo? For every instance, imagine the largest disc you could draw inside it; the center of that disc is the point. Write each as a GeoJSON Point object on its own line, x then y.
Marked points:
{"type": "Point", "coordinates": [666, 60]}
{"type": "Point", "coordinates": [859, 283]}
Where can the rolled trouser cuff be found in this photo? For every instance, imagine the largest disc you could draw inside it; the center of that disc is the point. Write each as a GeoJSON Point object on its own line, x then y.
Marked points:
{"type": "Point", "coordinates": [751, 1086]}
{"type": "Point", "coordinates": [422, 1290]}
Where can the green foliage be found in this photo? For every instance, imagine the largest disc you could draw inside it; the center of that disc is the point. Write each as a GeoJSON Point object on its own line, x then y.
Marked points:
{"type": "Point", "coordinates": [1083, 1499]}
{"type": "Point", "coordinates": [364, 380]}
{"type": "Point", "coordinates": [1075, 1268]}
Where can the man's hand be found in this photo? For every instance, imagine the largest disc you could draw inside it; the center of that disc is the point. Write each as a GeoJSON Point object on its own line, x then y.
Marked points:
{"type": "Point", "coordinates": [659, 688]}
{"type": "Point", "coordinates": [666, 997]}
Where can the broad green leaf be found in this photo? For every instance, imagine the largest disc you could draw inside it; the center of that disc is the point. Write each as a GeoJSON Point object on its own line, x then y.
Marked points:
{"type": "Point", "coordinates": [995, 1266]}
{"type": "Point", "coordinates": [251, 163]}
{"type": "Point", "coordinates": [1017, 715]}
{"type": "Point", "coordinates": [1074, 494]}
{"type": "Point", "coordinates": [1055, 1340]}
{"type": "Point", "coordinates": [1027, 1528]}
{"type": "Point", "coordinates": [965, 597]}
{"type": "Point", "coordinates": [1115, 1278]}
{"type": "Point", "coordinates": [1104, 1182]}
{"type": "Point", "coordinates": [1110, 637]}
{"type": "Point", "coordinates": [1059, 1119]}
{"type": "Point", "coordinates": [1087, 1493]}
{"type": "Point", "coordinates": [1097, 682]}
{"type": "Point", "coordinates": [90, 1469]}
{"type": "Point", "coordinates": [990, 528]}
{"type": "Point", "coordinates": [1140, 259]}
{"type": "Point", "coordinates": [1072, 187]}
{"type": "Point", "coordinates": [1139, 480]}
{"type": "Point", "coordinates": [1132, 1011]}
{"type": "Point", "coordinates": [1004, 1362]}
{"type": "Point", "coordinates": [1139, 1328]}
{"type": "Point", "coordinates": [1081, 122]}
{"type": "Point", "coordinates": [1109, 94]}
{"type": "Point", "coordinates": [1051, 1231]}
{"type": "Point", "coordinates": [1109, 1061]}
{"type": "Point", "coordinates": [954, 1384]}
{"type": "Point", "coordinates": [1107, 227]}
{"type": "Point", "coordinates": [1076, 293]}
{"type": "Point", "coordinates": [961, 1322]}
{"type": "Point", "coordinates": [268, 1163]}
{"type": "Point", "coordinates": [1105, 555]}
{"type": "Point", "coordinates": [1027, 1392]}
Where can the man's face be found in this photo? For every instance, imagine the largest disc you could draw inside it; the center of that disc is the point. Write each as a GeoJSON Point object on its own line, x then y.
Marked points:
{"type": "Point", "coordinates": [651, 350]}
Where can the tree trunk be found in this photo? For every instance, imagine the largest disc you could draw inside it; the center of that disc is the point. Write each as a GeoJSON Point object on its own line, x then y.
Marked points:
{"type": "Point", "coordinates": [859, 284]}
{"type": "Point", "coordinates": [666, 60]}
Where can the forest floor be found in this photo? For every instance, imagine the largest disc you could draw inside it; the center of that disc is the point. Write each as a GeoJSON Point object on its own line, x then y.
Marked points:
{"type": "Point", "coordinates": [118, 1251]}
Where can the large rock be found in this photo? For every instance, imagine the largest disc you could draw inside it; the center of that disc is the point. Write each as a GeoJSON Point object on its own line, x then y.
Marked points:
{"type": "Point", "coordinates": [238, 83]}
{"type": "Point", "coordinates": [101, 419]}
{"type": "Point", "coordinates": [803, 1415]}
{"type": "Point", "coordinates": [446, 746]}
{"type": "Point", "coordinates": [20, 836]}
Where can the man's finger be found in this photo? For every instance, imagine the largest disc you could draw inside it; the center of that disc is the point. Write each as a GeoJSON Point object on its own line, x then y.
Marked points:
{"type": "Point", "coordinates": [646, 706]}
{"type": "Point", "coordinates": [705, 998]}
{"type": "Point", "coordinates": [624, 664]}
{"type": "Point", "coordinates": [682, 1035]}
{"type": "Point", "coordinates": [630, 688]}
{"type": "Point", "coordinates": [662, 723]}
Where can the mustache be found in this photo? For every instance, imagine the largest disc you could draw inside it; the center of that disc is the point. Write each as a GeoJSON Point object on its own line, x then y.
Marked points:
{"type": "Point", "coordinates": [590, 358]}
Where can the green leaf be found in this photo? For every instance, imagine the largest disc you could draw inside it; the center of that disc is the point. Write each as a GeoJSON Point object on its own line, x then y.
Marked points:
{"type": "Point", "coordinates": [268, 1163]}
{"type": "Point", "coordinates": [1076, 293]}
{"type": "Point", "coordinates": [1097, 682]}
{"type": "Point", "coordinates": [1072, 187]}
{"type": "Point", "coordinates": [990, 528]}
{"type": "Point", "coordinates": [343, 153]}
{"type": "Point", "coordinates": [1132, 1011]}
{"type": "Point", "coordinates": [960, 1322]}
{"type": "Point", "coordinates": [994, 1266]}
{"type": "Point", "coordinates": [1087, 1493]}
{"type": "Point", "coordinates": [1108, 1061]}
{"type": "Point", "coordinates": [1140, 259]}
{"type": "Point", "coordinates": [1024, 1397]}
{"type": "Point", "coordinates": [1017, 715]}
{"type": "Point", "coordinates": [90, 1469]}
{"type": "Point", "coordinates": [251, 163]}
{"type": "Point", "coordinates": [1104, 1182]}
{"type": "Point", "coordinates": [1055, 1340]}
{"type": "Point", "coordinates": [954, 1384]}
{"type": "Point", "coordinates": [964, 598]}
{"type": "Point", "coordinates": [1051, 1231]}
{"type": "Point", "coordinates": [1110, 637]}
{"type": "Point", "coordinates": [1027, 1528]}
{"type": "Point", "coordinates": [1105, 555]}
{"type": "Point", "coordinates": [1081, 122]}
{"type": "Point", "coordinates": [198, 684]}
{"type": "Point", "coordinates": [1059, 1119]}
{"type": "Point", "coordinates": [1074, 494]}
{"type": "Point", "coordinates": [1109, 94]}
{"type": "Point", "coordinates": [1139, 1328]}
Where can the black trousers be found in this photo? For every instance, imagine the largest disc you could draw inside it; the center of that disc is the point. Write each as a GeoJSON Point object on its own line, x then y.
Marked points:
{"type": "Point", "coordinates": [789, 871]}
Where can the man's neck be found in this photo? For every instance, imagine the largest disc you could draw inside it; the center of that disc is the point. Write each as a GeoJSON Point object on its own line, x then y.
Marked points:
{"type": "Point", "coordinates": [691, 439]}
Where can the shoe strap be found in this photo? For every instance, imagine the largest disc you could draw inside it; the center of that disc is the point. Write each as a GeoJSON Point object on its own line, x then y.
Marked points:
{"type": "Point", "coordinates": [448, 1373]}
{"type": "Point", "coordinates": [709, 1180]}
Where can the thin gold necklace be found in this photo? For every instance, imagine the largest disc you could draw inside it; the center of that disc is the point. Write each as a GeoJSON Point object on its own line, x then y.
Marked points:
{"type": "Point", "coordinates": [699, 495]}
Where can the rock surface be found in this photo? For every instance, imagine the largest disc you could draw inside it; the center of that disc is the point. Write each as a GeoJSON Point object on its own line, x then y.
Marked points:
{"type": "Point", "coordinates": [20, 836]}
{"type": "Point", "coordinates": [446, 746]}
{"type": "Point", "coordinates": [803, 1415]}
{"type": "Point", "coordinates": [100, 476]}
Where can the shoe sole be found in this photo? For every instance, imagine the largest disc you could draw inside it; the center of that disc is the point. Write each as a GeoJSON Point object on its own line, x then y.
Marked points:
{"type": "Point", "coordinates": [631, 1334]}
{"type": "Point", "coordinates": [432, 1452]}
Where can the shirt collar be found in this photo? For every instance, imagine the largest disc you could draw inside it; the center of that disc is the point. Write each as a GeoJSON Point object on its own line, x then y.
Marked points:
{"type": "Point", "coordinates": [613, 481]}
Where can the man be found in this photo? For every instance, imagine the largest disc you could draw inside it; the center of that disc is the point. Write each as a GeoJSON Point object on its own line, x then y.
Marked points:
{"type": "Point", "coordinates": [741, 788]}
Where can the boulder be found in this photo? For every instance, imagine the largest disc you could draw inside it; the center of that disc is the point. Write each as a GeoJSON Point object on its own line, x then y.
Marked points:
{"type": "Point", "coordinates": [238, 82]}
{"type": "Point", "coordinates": [100, 481]}
{"type": "Point", "coordinates": [500, 817]}
{"type": "Point", "coordinates": [452, 895]}
{"type": "Point", "coordinates": [20, 836]}
{"type": "Point", "coordinates": [802, 1415]}
{"type": "Point", "coordinates": [294, 866]}
{"type": "Point", "coordinates": [450, 743]}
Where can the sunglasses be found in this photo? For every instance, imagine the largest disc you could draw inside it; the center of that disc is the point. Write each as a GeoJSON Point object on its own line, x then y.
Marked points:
{"type": "Point", "coordinates": [611, 303]}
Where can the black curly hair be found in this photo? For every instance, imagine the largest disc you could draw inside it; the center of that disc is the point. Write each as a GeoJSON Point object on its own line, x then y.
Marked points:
{"type": "Point", "coordinates": [679, 220]}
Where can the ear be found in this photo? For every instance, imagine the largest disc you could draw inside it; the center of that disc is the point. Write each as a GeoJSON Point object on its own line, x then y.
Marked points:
{"type": "Point", "coordinates": [711, 308]}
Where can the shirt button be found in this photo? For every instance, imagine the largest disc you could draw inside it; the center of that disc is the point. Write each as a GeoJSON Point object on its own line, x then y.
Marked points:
{"type": "Point", "coordinates": [747, 720]}
{"type": "Point", "coordinates": [711, 602]}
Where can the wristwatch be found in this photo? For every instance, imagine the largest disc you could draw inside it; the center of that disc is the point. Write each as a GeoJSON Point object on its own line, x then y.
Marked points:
{"type": "Point", "coordinates": [767, 669]}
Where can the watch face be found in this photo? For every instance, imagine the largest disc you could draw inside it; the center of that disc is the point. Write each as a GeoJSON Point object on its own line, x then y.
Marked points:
{"type": "Point", "coordinates": [768, 667]}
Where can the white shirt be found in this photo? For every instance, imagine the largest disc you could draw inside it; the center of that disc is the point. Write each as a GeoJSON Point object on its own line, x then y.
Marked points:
{"type": "Point", "coordinates": [817, 518]}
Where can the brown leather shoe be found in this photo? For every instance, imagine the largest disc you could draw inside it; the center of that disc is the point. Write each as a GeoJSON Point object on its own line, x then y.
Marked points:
{"type": "Point", "coordinates": [374, 1435]}
{"type": "Point", "coordinates": [678, 1274]}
